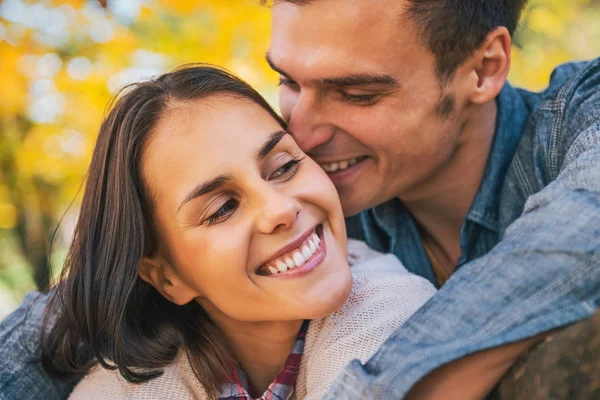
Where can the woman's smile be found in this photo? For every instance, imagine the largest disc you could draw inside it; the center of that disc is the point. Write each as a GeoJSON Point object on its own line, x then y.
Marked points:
{"type": "Point", "coordinates": [297, 258]}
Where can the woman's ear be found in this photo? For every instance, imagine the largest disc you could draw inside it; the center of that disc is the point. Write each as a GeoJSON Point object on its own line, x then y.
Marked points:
{"type": "Point", "coordinates": [163, 277]}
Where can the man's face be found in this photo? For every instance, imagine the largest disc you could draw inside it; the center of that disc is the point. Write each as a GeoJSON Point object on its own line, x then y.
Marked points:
{"type": "Point", "coordinates": [361, 96]}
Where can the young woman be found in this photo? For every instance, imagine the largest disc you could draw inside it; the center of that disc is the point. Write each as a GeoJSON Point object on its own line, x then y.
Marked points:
{"type": "Point", "coordinates": [206, 242]}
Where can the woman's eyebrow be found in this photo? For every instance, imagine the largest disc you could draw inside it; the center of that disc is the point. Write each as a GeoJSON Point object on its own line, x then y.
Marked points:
{"type": "Point", "coordinates": [204, 188]}
{"type": "Point", "coordinates": [270, 144]}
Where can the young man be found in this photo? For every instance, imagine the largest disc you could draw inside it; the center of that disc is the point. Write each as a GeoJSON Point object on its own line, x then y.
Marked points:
{"type": "Point", "coordinates": [440, 161]}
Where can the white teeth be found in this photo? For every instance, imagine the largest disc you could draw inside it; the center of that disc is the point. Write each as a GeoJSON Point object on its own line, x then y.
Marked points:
{"type": "Point", "coordinates": [289, 262]}
{"type": "Point", "coordinates": [339, 165]}
{"type": "Point", "coordinates": [281, 266]}
{"type": "Point", "coordinates": [306, 252]}
{"type": "Point", "coordinates": [298, 258]}
{"type": "Point", "coordinates": [316, 238]}
{"type": "Point", "coordinates": [331, 167]}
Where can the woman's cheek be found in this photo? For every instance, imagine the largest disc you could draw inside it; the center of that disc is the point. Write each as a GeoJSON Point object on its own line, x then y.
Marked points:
{"type": "Point", "coordinates": [322, 186]}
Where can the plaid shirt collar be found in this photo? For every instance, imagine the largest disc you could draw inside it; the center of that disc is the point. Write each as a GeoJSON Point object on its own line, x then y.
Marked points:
{"type": "Point", "coordinates": [283, 385]}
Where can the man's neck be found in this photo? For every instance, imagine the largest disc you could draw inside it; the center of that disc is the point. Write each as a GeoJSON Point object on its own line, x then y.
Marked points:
{"type": "Point", "coordinates": [261, 348]}
{"type": "Point", "coordinates": [446, 198]}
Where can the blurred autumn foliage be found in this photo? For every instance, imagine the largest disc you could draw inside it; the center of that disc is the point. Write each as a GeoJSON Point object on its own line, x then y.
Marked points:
{"type": "Point", "coordinates": [61, 62]}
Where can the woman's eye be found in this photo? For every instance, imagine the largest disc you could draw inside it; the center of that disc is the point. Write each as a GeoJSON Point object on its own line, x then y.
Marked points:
{"type": "Point", "coordinates": [359, 99]}
{"type": "Point", "coordinates": [287, 170]}
{"type": "Point", "coordinates": [223, 212]}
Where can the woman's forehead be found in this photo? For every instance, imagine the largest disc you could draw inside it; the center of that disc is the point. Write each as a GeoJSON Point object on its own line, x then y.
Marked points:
{"type": "Point", "coordinates": [200, 140]}
{"type": "Point", "coordinates": [216, 120]}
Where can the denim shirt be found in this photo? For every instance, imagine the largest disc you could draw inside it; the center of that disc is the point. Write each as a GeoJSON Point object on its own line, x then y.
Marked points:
{"type": "Point", "coordinates": [530, 244]}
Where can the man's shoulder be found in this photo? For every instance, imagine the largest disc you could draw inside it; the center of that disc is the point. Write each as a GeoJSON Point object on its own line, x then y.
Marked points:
{"type": "Point", "coordinates": [562, 124]}
{"type": "Point", "coordinates": [572, 97]}
{"type": "Point", "coordinates": [579, 93]}
{"type": "Point", "coordinates": [565, 111]}
{"type": "Point", "coordinates": [564, 72]}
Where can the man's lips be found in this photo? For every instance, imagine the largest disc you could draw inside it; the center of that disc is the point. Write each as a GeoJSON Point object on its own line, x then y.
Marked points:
{"type": "Point", "coordinates": [340, 165]}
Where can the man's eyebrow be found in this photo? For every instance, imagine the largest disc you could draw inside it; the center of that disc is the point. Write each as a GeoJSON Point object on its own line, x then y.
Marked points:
{"type": "Point", "coordinates": [270, 144]}
{"type": "Point", "coordinates": [204, 188]}
{"type": "Point", "coordinates": [361, 80]}
{"type": "Point", "coordinates": [350, 80]}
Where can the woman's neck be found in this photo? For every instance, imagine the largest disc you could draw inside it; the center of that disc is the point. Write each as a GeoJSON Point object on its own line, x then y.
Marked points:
{"type": "Point", "coordinates": [261, 348]}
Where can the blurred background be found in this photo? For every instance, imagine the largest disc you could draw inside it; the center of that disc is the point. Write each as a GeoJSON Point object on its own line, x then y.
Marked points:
{"type": "Point", "coordinates": [62, 61]}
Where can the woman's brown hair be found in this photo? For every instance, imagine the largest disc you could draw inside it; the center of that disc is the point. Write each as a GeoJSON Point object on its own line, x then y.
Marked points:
{"type": "Point", "coordinates": [101, 311]}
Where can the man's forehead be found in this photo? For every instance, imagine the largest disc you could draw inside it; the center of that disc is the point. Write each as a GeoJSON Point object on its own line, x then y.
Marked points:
{"type": "Point", "coordinates": [333, 37]}
{"type": "Point", "coordinates": [336, 16]}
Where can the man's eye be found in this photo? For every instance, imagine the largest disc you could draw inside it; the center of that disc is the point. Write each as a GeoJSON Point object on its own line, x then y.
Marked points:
{"type": "Point", "coordinates": [360, 99]}
{"type": "Point", "coordinates": [223, 212]}
{"type": "Point", "coordinates": [283, 81]}
{"type": "Point", "coordinates": [287, 170]}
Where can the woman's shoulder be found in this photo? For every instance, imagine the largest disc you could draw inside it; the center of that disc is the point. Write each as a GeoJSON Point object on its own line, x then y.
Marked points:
{"type": "Point", "coordinates": [177, 382]}
{"type": "Point", "coordinates": [384, 295]}
{"type": "Point", "coordinates": [383, 291]}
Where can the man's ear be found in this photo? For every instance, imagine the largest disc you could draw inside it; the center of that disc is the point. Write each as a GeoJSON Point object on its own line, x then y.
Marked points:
{"type": "Point", "coordinates": [162, 276]}
{"type": "Point", "coordinates": [490, 65]}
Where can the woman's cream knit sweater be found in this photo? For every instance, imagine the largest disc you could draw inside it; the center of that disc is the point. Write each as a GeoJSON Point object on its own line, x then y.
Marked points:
{"type": "Point", "coordinates": [383, 296]}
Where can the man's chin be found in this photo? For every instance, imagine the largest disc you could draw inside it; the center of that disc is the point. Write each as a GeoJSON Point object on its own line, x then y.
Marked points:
{"type": "Point", "coordinates": [352, 207]}
{"type": "Point", "coordinates": [353, 204]}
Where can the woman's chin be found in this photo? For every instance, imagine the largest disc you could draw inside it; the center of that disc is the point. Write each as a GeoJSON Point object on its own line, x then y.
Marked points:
{"type": "Point", "coordinates": [336, 297]}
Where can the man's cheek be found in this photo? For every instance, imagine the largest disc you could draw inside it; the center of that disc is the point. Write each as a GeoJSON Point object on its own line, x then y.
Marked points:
{"type": "Point", "coordinates": [287, 102]}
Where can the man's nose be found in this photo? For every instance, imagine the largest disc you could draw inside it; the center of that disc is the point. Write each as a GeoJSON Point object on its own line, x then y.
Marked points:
{"type": "Point", "coordinates": [278, 210]}
{"type": "Point", "coordinates": [308, 123]}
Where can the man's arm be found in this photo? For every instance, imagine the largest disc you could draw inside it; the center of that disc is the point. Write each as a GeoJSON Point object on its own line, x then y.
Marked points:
{"type": "Point", "coordinates": [21, 374]}
{"type": "Point", "coordinates": [544, 274]}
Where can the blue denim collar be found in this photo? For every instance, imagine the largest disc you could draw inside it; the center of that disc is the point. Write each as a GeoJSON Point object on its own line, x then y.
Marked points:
{"type": "Point", "coordinates": [510, 122]}
{"type": "Point", "coordinates": [387, 215]}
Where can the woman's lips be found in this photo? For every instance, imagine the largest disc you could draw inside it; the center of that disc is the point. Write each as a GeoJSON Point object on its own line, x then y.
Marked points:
{"type": "Point", "coordinates": [299, 260]}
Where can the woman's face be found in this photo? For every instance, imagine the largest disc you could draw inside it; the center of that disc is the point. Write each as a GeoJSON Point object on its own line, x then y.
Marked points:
{"type": "Point", "coordinates": [251, 226]}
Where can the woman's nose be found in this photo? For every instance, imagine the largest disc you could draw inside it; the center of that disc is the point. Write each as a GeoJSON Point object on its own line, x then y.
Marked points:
{"type": "Point", "coordinates": [279, 211]}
